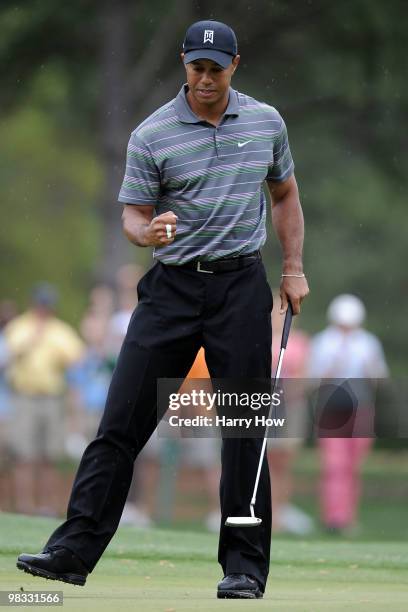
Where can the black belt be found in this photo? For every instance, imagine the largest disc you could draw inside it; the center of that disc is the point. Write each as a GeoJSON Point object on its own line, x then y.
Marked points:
{"type": "Point", "coordinates": [222, 265]}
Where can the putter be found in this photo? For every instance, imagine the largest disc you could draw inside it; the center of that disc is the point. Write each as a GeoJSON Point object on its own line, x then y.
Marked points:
{"type": "Point", "coordinates": [252, 520]}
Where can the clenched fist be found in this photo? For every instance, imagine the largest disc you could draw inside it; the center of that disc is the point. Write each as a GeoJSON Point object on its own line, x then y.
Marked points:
{"type": "Point", "coordinates": [161, 230]}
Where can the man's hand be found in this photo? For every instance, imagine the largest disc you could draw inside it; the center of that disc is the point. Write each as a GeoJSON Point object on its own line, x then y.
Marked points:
{"type": "Point", "coordinates": [293, 289]}
{"type": "Point", "coordinates": [143, 230]}
{"type": "Point", "coordinates": [156, 233]}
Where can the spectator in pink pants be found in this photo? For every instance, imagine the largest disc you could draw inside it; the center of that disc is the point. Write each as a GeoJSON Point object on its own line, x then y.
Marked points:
{"type": "Point", "coordinates": [341, 459]}
{"type": "Point", "coordinates": [347, 351]}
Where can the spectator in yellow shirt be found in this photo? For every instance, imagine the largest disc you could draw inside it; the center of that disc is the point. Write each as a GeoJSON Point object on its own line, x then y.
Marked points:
{"type": "Point", "coordinates": [41, 348]}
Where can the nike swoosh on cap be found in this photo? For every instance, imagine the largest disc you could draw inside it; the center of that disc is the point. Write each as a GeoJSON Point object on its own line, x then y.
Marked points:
{"type": "Point", "coordinates": [242, 144]}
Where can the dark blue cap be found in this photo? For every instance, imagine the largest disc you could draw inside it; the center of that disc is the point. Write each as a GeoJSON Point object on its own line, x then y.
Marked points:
{"type": "Point", "coordinates": [44, 294]}
{"type": "Point", "coordinates": [210, 40]}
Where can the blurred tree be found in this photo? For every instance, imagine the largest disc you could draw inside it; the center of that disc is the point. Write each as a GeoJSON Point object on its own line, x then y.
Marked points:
{"type": "Point", "coordinates": [45, 232]}
{"type": "Point", "coordinates": [114, 60]}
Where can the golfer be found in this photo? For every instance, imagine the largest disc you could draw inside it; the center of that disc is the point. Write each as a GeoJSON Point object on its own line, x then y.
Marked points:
{"type": "Point", "coordinates": [193, 190]}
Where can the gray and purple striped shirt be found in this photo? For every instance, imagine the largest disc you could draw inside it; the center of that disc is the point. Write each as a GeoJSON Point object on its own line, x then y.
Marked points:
{"type": "Point", "coordinates": [210, 177]}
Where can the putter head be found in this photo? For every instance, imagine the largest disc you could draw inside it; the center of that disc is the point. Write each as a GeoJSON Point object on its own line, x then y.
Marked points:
{"type": "Point", "coordinates": [243, 521]}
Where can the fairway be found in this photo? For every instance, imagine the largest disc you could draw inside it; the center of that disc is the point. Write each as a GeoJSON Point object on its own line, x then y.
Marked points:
{"type": "Point", "coordinates": [171, 571]}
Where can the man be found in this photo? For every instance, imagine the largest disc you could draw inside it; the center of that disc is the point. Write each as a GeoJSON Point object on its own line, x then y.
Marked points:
{"type": "Point", "coordinates": [198, 165]}
{"type": "Point", "coordinates": [41, 348]}
{"type": "Point", "coordinates": [345, 351]}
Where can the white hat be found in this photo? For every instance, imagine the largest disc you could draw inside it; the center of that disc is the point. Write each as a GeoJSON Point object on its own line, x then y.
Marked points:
{"type": "Point", "coordinates": [346, 310]}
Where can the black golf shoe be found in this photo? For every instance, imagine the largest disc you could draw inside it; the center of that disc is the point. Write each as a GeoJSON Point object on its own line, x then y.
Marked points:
{"type": "Point", "coordinates": [239, 586]}
{"type": "Point", "coordinates": [59, 564]}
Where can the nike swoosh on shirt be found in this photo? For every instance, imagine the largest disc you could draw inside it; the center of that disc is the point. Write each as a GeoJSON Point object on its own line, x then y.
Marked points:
{"type": "Point", "coordinates": [242, 144]}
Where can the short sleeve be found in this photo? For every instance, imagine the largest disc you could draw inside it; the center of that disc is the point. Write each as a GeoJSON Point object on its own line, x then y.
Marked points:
{"type": "Point", "coordinates": [141, 183]}
{"type": "Point", "coordinates": [282, 165]}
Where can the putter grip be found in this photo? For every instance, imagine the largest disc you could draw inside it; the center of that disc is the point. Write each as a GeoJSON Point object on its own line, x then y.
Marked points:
{"type": "Point", "coordinates": [286, 325]}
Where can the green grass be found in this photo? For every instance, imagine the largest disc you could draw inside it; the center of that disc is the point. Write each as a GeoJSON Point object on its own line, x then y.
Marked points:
{"type": "Point", "coordinates": [171, 571]}
{"type": "Point", "coordinates": [383, 510]}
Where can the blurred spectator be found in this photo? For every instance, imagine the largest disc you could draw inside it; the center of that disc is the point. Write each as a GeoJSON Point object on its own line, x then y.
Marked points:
{"type": "Point", "coordinates": [101, 301]}
{"type": "Point", "coordinates": [127, 279]}
{"type": "Point", "coordinates": [347, 351]}
{"type": "Point", "coordinates": [88, 386]}
{"type": "Point", "coordinates": [41, 348]}
{"type": "Point", "coordinates": [8, 311]}
{"type": "Point", "coordinates": [89, 379]}
{"type": "Point", "coordinates": [97, 317]}
{"type": "Point", "coordinates": [282, 451]}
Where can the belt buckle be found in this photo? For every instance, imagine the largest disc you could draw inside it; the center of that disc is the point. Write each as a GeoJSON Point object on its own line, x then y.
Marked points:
{"type": "Point", "coordinates": [200, 270]}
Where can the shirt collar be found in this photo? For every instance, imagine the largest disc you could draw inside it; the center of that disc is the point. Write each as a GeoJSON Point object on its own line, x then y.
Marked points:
{"type": "Point", "coordinates": [186, 114]}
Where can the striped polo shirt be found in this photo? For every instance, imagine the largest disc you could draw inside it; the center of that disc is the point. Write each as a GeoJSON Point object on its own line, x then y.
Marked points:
{"type": "Point", "coordinates": [210, 177]}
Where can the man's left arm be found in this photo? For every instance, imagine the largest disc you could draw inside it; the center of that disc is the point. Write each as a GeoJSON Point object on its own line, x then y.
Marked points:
{"type": "Point", "coordinates": [287, 220]}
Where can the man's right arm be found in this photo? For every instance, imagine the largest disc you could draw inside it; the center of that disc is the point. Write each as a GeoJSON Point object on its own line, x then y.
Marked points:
{"type": "Point", "coordinates": [142, 229]}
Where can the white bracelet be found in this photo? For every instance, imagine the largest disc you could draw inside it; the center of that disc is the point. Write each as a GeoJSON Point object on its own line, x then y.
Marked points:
{"type": "Point", "coordinates": [294, 275]}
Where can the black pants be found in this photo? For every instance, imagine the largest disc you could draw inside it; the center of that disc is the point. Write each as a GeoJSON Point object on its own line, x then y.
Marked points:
{"type": "Point", "coordinates": [179, 310]}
